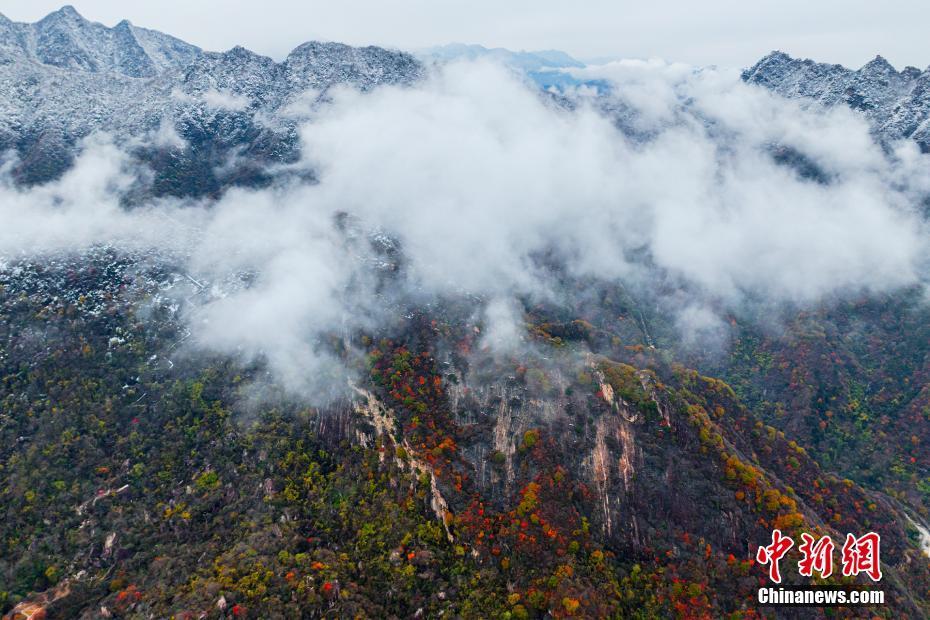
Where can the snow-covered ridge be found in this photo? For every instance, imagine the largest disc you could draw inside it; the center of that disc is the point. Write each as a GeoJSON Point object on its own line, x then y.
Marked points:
{"type": "Point", "coordinates": [204, 120]}
{"type": "Point", "coordinates": [66, 40]}
{"type": "Point", "coordinates": [65, 77]}
{"type": "Point", "coordinates": [896, 103]}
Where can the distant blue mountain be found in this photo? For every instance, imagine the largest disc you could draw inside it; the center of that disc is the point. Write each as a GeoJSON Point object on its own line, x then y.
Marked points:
{"type": "Point", "coordinates": [525, 61]}
{"type": "Point", "coordinates": [548, 68]}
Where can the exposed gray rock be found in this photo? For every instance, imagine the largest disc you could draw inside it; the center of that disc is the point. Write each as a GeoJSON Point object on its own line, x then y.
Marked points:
{"type": "Point", "coordinates": [896, 103]}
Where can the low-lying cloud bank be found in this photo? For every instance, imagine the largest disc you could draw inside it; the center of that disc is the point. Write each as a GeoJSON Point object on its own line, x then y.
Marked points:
{"type": "Point", "coordinates": [483, 184]}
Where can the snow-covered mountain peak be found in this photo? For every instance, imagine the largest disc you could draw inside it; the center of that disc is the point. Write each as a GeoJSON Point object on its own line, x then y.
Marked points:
{"type": "Point", "coordinates": [66, 40]}
{"type": "Point", "coordinates": [68, 77]}
{"type": "Point", "coordinates": [896, 103]}
{"type": "Point", "coordinates": [67, 13]}
{"type": "Point", "coordinates": [878, 66]}
{"type": "Point", "coordinates": [318, 64]}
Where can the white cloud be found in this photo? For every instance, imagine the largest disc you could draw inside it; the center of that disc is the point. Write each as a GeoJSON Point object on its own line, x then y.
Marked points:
{"type": "Point", "coordinates": [82, 208]}
{"type": "Point", "coordinates": [166, 136]}
{"type": "Point", "coordinates": [224, 100]}
{"type": "Point", "coordinates": [503, 326]}
{"type": "Point", "coordinates": [477, 177]}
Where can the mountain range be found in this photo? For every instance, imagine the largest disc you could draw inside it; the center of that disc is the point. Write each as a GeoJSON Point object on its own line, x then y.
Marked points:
{"type": "Point", "coordinates": [896, 103]}
{"type": "Point", "coordinates": [608, 469]}
{"type": "Point", "coordinates": [68, 77]}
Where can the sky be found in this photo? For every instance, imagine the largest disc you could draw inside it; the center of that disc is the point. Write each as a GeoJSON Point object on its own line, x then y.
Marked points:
{"type": "Point", "coordinates": [727, 33]}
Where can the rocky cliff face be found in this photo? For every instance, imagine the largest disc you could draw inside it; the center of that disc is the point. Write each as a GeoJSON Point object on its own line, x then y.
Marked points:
{"type": "Point", "coordinates": [657, 459]}
{"type": "Point", "coordinates": [896, 103]}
